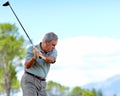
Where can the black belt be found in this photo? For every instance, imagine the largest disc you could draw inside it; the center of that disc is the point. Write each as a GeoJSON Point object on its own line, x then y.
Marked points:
{"type": "Point", "coordinates": [40, 78]}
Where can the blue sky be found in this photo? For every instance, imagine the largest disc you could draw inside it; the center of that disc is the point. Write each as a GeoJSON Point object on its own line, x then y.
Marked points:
{"type": "Point", "coordinates": [68, 18]}
{"type": "Point", "coordinates": [88, 30]}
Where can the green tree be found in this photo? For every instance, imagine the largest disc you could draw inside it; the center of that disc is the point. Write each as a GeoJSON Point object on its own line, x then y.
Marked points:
{"type": "Point", "coordinates": [94, 92]}
{"type": "Point", "coordinates": [99, 93]}
{"type": "Point", "coordinates": [77, 91]}
{"type": "Point", "coordinates": [11, 53]}
{"type": "Point", "coordinates": [87, 92]}
{"type": "Point", "coordinates": [56, 89]}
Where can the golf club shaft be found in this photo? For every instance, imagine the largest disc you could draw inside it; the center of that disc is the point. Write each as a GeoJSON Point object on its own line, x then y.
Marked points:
{"type": "Point", "coordinates": [21, 25]}
{"type": "Point", "coordinates": [8, 4]}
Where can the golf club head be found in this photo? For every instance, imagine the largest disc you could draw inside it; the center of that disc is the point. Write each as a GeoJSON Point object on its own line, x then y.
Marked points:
{"type": "Point", "coordinates": [6, 3]}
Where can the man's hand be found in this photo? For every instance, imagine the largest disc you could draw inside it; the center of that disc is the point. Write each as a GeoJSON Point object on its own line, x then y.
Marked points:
{"type": "Point", "coordinates": [48, 59]}
{"type": "Point", "coordinates": [37, 53]}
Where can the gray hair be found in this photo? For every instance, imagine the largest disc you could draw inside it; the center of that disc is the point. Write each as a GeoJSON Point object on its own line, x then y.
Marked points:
{"type": "Point", "coordinates": [50, 36]}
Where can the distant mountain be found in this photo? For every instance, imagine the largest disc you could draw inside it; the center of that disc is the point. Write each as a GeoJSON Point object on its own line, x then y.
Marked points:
{"type": "Point", "coordinates": [109, 87]}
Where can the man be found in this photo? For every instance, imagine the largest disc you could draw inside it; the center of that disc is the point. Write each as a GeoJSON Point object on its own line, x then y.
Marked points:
{"type": "Point", "coordinates": [37, 65]}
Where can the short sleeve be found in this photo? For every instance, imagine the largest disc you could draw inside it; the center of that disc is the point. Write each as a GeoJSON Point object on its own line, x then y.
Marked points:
{"type": "Point", "coordinates": [29, 53]}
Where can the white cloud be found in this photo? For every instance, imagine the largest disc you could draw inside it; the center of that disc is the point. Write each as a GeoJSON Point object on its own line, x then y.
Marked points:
{"type": "Point", "coordinates": [83, 60]}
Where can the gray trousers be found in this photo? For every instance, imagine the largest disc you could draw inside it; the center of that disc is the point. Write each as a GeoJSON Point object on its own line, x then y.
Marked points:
{"type": "Point", "coordinates": [32, 86]}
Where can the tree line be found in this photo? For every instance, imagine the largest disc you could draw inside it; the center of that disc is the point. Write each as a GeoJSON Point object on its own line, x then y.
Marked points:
{"type": "Point", "coordinates": [56, 89]}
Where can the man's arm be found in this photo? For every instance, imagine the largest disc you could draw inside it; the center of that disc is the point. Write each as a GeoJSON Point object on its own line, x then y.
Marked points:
{"type": "Point", "coordinates": [49, 59]}
{"type": "Point", "coordinates": [30, 62]}
{"type": "Point", "coordinates": [37, 53]}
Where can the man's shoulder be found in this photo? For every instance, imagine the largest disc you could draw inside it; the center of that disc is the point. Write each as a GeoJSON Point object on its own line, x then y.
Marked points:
{"type": "Point", "coordinates": [54, 50]}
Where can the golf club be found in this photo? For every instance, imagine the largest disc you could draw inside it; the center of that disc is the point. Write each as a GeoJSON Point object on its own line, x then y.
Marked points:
{"type": "Point", "coordinates": [8, 4]}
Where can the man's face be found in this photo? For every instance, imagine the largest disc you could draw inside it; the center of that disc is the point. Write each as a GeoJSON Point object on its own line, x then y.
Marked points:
{"type": "Point", "coordinates": [50, 45]}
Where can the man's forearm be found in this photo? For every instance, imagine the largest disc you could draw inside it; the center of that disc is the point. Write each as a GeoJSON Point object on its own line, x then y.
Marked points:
{"type": "Point", "coordinates": [30, 62]}
{"type": "Point", "coordinates": [48, 59]}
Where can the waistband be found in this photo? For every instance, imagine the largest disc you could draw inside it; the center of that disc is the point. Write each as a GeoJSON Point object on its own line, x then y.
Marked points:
{"type": "Point", "coordinates": [40, 78]}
